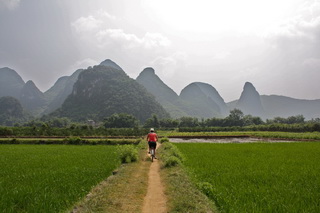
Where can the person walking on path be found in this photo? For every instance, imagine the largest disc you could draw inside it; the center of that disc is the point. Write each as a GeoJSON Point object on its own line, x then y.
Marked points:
{"type": "Point", "coordinates": [152, 139]}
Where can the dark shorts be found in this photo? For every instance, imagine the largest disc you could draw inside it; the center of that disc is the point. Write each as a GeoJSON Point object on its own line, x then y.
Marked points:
{"type": "Point", "coordinates": [152, 144]}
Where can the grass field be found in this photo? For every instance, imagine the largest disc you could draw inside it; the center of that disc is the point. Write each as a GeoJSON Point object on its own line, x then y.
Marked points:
{"type": "Point", "coordinates": [51, 178]}
{"type": "Point", "coordinates": [259, 177]}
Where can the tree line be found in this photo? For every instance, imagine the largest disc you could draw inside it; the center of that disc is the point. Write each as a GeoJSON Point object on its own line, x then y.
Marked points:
{"type": "Point", "coordinates": [128, 125]}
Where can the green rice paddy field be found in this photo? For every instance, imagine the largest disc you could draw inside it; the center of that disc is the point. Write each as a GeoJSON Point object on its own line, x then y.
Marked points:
{"type": "Point", "coordinates": [51, 178]}
{"type": "Point", "coordinates": [259, 177]}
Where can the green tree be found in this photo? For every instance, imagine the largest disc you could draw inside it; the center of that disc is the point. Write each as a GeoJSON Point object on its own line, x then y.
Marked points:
{"type": "Point", "coordinates": [189, 122]}
{"type": "Point", "coordinates": [169, 123]}
{"type": "Point", "coordinates": [251, 120]}
{"type": "Point", "coordinates": [152, 122]}
{"type": "Point", "coordinates": [121, 120]}
{"type": "Point", "coordinates": [235, 118]}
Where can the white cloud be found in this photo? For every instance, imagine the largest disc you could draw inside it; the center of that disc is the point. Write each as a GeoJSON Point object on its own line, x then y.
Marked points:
{"type": "Point", "coordinates": [128, 40]}
{"type": "Point", "coordinates": [305, 26]}
{"type": "Point", "coordinates": [104, 15]}
{"type": "Point", "coordinates": [86, 24]}
{"type": "Point", "coordinates": [83, 64]}
{"type": "Point", "coordinates": [9, 4]}
{"type": "Point", "coordinates": [167, 65]}
{"type": "Point", "coordinates": [152, 40]}
{"type": "Point", "coordinates": [96, 29]}
{"type": "Point", "coordinates": [96, 21]}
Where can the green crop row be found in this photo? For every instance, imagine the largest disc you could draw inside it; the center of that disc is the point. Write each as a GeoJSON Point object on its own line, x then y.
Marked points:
{"type": "Point", "coordinates": [259, 177]}
{"type": "Point", "coordinates": [283, 135]}
{"type": "Point", "coordinates": [68, 140]}
{"type": "Point", "coordinates": [51, 178]}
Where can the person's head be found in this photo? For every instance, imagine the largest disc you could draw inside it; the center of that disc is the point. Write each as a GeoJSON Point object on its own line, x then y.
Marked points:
{"type": "Point", "coordinates": [152, 130]}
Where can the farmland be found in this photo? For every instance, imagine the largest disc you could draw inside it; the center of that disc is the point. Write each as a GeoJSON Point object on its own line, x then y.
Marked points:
{"type": "Point", "coordinates": [51, 178]}
{"type": "Point", "coordinates": [260, 134]}
{"type": "Point", "coordinates": [258, 177]}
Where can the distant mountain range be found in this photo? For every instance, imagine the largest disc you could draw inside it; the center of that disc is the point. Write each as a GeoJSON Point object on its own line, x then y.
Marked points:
{"type": "Point", "coordinates": [105, 89]}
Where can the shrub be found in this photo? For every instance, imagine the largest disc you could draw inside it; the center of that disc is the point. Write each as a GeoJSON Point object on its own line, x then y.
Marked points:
{"type": "Point", "coordinates": [164, 140]}
{"type": "Point", "coordinates": [73, 140]}
{"type": "Point", "coordinates": [127, 153]}
{"type": "Point", "coordinates": [171, 161]}
{"type": "Point", "coordinates": [171, 155]}
{"type": "Point", "coordinates": [206, 188]}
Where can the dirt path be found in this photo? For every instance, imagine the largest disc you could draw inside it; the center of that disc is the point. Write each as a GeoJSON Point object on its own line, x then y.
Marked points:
{"type": "Point", "coordinates": [155, 200]}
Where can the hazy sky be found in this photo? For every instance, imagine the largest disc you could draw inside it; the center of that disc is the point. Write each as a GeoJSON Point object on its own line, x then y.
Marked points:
{"type": "Point", "coordinates": [274, 44]}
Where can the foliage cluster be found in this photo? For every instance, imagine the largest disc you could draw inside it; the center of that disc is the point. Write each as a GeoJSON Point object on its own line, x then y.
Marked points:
{"type": "Point", "coordinates": [128, 153]}
{"type": "Point", "coordinates": [260, 177]}
{"type": "Point", "coordinates": [69, 141]}
{"type": "Point", "coordinates": [170, 155]}
{"type": "Point", "coordinates": [304, 127]}
{"type": "Point", "coordinates": [51, 178]}
{"type": "Point", "coordinates": [83, 130]}
{"type": "Point", "coordinates": [121, 120]}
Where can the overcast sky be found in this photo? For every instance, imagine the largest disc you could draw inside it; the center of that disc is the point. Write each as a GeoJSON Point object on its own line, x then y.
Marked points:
{"type": "Point", "coordinates": [274, 44]}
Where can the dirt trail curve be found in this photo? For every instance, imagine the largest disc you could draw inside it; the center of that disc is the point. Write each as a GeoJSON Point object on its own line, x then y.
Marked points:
{"type": "Point", "coordinates": [155, 200]}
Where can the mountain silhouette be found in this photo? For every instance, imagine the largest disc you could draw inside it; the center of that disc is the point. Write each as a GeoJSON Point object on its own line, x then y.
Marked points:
{"type": "Point", "coordinates": [11, 111]}
{"type": "Point", "coordinates": [163, 94]}
{"type": "Point", "coordinates": [32, 99]}
{"type": "Point", "coordinates": [282, 106]}
{"type": "Point", "coordinates": [11, 83]}
{"type": "Point", "coordinates": [204, 100]}
{"type": "Point", "coordinates": [114, 92]}
{"type": "Point", "coordinates": [250, 102]}
{"type": "Point", "coordinates": [101, 91]}
{"type": "Point", "coordinates": [110, 63]}
{"type": "Point", "coordinates": [59, 92]}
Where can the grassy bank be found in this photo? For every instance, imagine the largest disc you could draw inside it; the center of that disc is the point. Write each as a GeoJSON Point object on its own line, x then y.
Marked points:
{"type": "Point", "coordinates": [122, 192]}
{"type": "Point", "coordinates": [182, 194]}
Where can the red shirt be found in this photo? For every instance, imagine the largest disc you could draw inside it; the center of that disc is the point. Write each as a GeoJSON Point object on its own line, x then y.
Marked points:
{"type": "Point", "coordinates": [152, 137]}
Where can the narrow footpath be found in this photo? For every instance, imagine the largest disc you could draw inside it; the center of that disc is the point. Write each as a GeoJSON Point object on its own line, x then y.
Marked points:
{"type": "Point", "coordinates": [155, 200]}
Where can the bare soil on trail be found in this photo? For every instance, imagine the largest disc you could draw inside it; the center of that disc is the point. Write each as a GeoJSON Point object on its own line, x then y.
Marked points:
{"type": "Point", "coordinates": [155, 200]}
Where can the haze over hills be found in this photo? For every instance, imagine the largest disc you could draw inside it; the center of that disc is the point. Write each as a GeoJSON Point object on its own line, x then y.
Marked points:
{"type": "Point", "coordinates": [31, 98]}
{"type": "Point", "coordinates": [11, 83]}
{"type": "Point", "coordinates": [163, 94]}
{"type": "Point", "coordinates": [282, 106]}
{"type": "Point", "coordinates": [249, 102]}
{"type": "Point", "coordinates": [196, 100]}
{"type": "Point", "coordinates": [205, 101]}
{"type": "Point", "coordinates": [108, 93]}
{"type": "Point", "coordinates": [58, 93]}
{"type": "Point", "coordinates": [11, 111]}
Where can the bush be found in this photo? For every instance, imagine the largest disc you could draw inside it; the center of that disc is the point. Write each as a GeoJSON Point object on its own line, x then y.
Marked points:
{"type": "Point", "coordinates": [127, 153]}
{"type": "Point", "coordinates": [73, 140]}
{"type": "Point", "coordinates": [206, 188]}
{"type": "Point", "coordinates": [164, 140]}
{"type": "Point", "coordinates": [171, 155]}
{"type": "Point", "coordinates": [171, 161]}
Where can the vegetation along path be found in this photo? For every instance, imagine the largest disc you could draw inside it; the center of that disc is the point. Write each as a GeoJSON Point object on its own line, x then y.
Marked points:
{"type": "Point", "coordinates": [155, 200]}
{"type": "Point", "coordinates": [135, 188]}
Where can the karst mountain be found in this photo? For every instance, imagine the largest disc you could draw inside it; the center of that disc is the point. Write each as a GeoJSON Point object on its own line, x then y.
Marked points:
{"type": "Point", "coordinates": [100, 91]}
